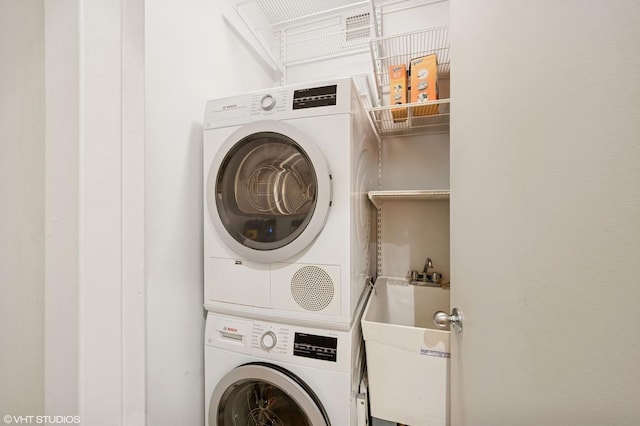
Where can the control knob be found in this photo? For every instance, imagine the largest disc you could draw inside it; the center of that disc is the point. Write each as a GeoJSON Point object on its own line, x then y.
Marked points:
{"type": "Point", "coordinates": [268, 340]}
{"type": "Point", "coordinates": [267, 102]}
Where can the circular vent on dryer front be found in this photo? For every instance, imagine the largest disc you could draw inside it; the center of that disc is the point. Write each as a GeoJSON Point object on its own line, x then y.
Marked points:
{"type": "Point", "coordinates": [312, 288]}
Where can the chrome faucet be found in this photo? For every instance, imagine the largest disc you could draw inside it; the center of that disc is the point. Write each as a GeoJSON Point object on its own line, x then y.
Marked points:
{"type": "Point", "coordinates": [426, 278]}
{"type": "Point", "coordinates": [427, 265]}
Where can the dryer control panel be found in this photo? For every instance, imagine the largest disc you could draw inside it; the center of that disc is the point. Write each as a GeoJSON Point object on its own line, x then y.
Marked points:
{"type": "Point", "coordinates": [279, 100]}
{"type": "Point", "coordinates": [274, 101]}
{"type": "Point", "coordinates": [315, 97]}
{"type": "Point", "coordinates": [281, 103]}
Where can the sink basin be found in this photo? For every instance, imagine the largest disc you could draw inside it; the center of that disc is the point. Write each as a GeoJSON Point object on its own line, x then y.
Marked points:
{"type": "Point", "coordinates": [407, 357]}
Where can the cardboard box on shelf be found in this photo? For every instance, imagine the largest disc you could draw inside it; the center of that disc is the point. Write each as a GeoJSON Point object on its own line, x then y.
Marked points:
{"type": "Point", "coordinates": [398, 91]}
{"type": "Point", "coordinates": [424, 83]}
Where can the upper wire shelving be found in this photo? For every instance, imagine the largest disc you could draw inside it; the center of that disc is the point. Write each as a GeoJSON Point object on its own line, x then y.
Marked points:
{"type": "Point", "coordinates": [401, 49]}
{"type": "Point", "coordinates": [287, 32]}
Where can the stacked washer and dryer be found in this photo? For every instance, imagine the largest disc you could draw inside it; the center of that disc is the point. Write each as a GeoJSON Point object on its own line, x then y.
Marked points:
{"type": "Point", "coordinates": [287, 254]}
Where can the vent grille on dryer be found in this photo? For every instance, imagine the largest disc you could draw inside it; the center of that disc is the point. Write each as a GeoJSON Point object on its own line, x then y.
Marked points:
{"type": "Point", "coordinates": [312, 288]}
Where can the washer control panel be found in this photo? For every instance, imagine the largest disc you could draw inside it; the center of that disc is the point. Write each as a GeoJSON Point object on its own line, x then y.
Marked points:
{"type": "Point", "coordinates": [278, 339]}
{"type": "Point", "coordinates": [267, 341]}
{"type": "Point", "coordinates": [315, 346]}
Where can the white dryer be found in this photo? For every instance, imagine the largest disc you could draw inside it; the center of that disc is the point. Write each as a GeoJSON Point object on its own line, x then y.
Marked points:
{"type": "Point", "coordinates": [286, 216]}
{"type": "Point", "coordinates": [266, 373]}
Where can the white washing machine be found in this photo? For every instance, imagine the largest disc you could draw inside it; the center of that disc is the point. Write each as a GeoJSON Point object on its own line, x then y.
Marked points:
{"type": "Point", "coordinates": [267, 373]}
{"type": "Point", "coordinates": [286, 215]}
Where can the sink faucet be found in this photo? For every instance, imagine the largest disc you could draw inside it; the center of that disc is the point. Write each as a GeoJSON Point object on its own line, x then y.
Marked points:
{"type": "Point", "coordinates": [427, 265]}
{"type": "Point", "coordinates": [425, 278]}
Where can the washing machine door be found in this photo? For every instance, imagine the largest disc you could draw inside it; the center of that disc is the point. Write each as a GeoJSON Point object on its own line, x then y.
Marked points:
{"type": "Point", "coordinates": [268, 191]}
{"type": "Point", "coordinates": [261, 394]}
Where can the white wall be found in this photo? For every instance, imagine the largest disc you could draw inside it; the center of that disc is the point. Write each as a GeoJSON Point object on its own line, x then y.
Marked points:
{"type": "Point", "coordinates": [94, 282]}
{"type": "Point", "coordinates": [21, 207]}
{"type": "Point", "coordinates": [191, 56]}
{"type": "Point", "coordinates": [413, 231]}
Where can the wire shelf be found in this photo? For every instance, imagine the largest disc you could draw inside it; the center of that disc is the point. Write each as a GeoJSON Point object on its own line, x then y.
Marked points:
{"type": "Point", "coordinates": [402, 48]}
{"type": "Point", "coordinates": [296, 32]}
{"type": "Point", "coordinates": [437, 120]}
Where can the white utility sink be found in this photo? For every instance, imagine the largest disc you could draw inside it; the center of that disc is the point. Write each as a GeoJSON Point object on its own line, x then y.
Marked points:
{"type": "Point", "coordinates": [407, 357]}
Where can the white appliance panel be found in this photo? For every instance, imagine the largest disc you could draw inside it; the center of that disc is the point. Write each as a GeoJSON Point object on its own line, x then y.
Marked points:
{"type": "Point", "coordinates": [239, 281]}
{"type": "Point", "coordinates": [232, 341]}
{"type": "Point", "coordinates": [345, 139]}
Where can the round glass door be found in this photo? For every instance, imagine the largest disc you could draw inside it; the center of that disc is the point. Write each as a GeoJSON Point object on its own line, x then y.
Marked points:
{"type": "Point", "coordinates": [259, 394]}
{"type": "Point", "coordinates": [268, 191]}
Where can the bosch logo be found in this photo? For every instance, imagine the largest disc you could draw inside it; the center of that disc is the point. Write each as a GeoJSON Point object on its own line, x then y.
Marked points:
{"type": "Point", "coordinates": [231, 329]}
{"type": "Point", "coordinates": [226, 107]}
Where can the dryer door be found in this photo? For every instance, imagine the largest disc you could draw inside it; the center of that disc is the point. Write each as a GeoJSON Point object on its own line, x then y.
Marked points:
{"type": "Point", "coordinates": [268, 191]}
{"type": "Point", "coordinates": [258, 394]}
